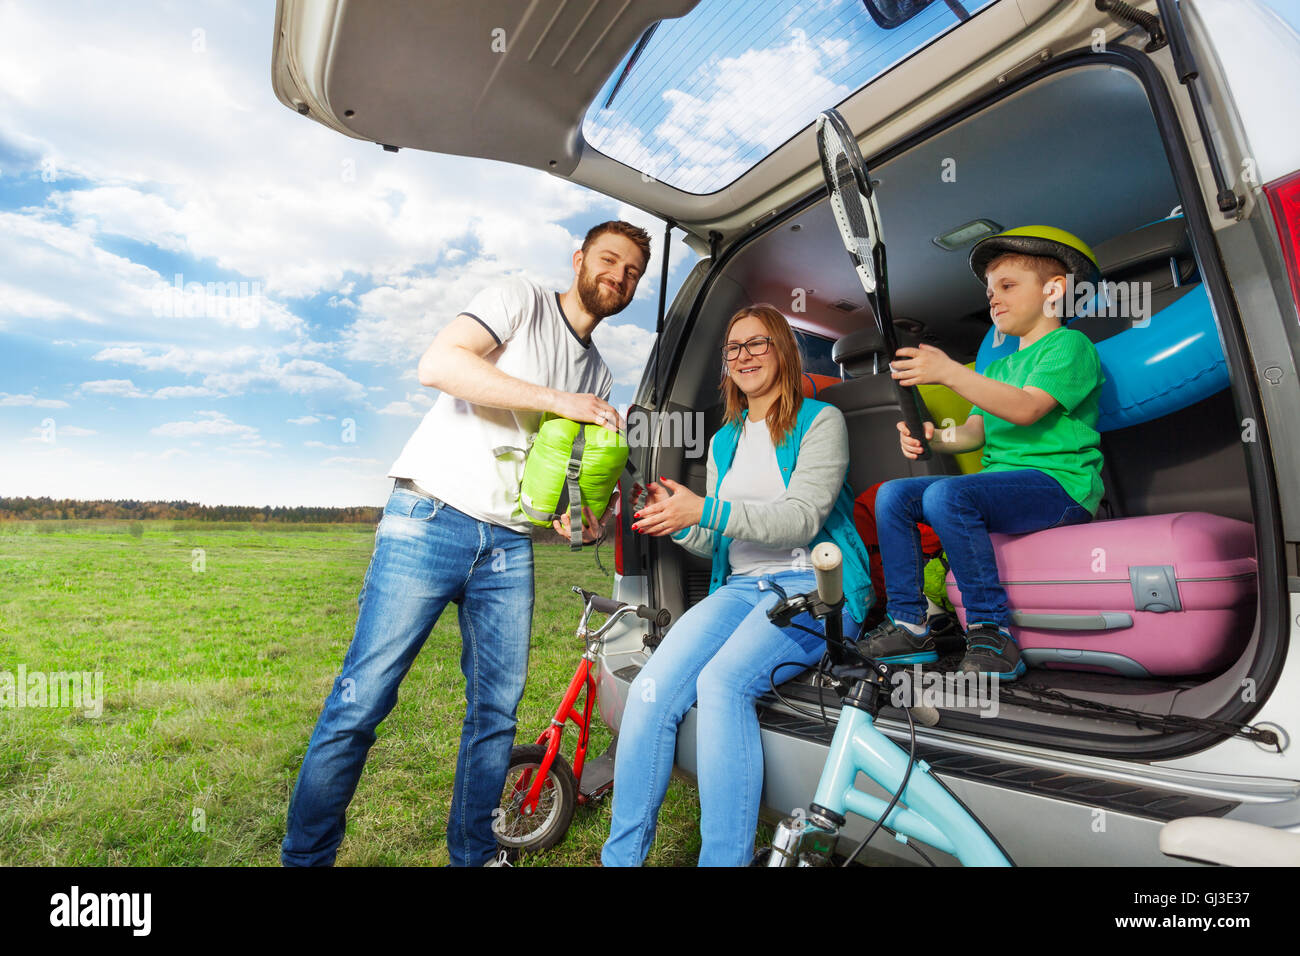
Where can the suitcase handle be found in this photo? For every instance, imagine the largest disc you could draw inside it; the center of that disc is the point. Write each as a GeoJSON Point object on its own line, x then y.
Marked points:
{"type": "Point", "coordinates": [1100, 621]}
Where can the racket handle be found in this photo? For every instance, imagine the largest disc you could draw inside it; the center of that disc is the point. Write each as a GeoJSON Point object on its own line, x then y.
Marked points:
{"type": "Point", "coordinates": [914, 418]}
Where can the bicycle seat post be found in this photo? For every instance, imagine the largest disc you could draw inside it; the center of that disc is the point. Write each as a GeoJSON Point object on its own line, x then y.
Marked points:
{"type": "Point", "coordinates": [834, 634]}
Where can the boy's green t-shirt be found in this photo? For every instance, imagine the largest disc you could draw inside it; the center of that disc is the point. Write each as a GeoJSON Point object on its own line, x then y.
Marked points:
{"type": "Point", "coordinates": [1064, 443]}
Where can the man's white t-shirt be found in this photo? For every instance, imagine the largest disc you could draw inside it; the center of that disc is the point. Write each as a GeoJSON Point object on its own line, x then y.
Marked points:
{"type": "Point", "coordinates": [755, 476]}
{"type": "Point", "coordinates": [450, 454]}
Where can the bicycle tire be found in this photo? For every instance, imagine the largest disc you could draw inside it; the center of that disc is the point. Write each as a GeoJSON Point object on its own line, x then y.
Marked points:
{"type": "Point", "coordinates": [555, 805]}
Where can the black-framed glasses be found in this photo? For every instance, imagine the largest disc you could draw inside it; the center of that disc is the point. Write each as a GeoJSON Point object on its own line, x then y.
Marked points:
{"type": "Point", "coordinates": [756, 346]}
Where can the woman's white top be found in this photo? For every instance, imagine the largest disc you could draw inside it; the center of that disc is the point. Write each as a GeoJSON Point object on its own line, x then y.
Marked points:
{"type": "Point", "coordinates": [755, 478]}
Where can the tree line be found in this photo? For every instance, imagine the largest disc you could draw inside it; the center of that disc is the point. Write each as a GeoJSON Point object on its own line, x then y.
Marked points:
{"type": "Point", "coordinates": [32, 509]}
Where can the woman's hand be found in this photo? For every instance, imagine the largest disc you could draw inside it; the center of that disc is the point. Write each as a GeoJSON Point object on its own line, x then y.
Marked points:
{"type": "Point", "coordinates": [656, 494]}
{"type": "Point", "coordinates": [924, 365]}
{"type": "Point", "coordinates": [667, 513]}
{"type": "Point", "coordinates": [911, 447]}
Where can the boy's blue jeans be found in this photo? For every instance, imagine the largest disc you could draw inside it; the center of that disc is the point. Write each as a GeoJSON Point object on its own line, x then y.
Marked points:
{"type": "Point", "coordinates": [963, 510]}
{"type": "Point", "coordinates": [426, 554]}
{"type": "Point", "coordinates": [721, 651]}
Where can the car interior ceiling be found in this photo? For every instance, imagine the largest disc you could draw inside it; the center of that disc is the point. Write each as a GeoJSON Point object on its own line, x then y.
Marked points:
{"type": "Point", "coordinates": [1079, 150]}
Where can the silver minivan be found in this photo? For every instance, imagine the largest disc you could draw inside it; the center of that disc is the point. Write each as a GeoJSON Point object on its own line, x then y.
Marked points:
{"type": "Point", "coordinates": [1161, 133]}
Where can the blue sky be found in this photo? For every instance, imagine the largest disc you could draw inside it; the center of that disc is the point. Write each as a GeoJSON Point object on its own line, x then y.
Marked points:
{"type": "Point", "coordinates": [144, 141]}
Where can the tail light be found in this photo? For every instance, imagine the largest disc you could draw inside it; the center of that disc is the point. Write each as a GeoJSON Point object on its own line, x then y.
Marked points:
{"type": "Point", "coordinates": [1284, 198]}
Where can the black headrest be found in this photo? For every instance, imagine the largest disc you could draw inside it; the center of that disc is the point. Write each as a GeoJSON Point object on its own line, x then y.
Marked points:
{"type": "Point", "coordinates": [858, 347]}
{"type": "Point", "coordinates": [1144, 253]}
{"type": "Point", "coordinates": [857, 351]}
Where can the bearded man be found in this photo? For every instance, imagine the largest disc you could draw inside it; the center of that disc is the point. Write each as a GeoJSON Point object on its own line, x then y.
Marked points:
{"type": "Point", "coordinates": [452, 531]}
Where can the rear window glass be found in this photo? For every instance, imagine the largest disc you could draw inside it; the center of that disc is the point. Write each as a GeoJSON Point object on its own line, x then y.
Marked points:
{"type": "Point", "coordinates": [816, 353]}
{"type": "Point", "coordinates": [705, 97]}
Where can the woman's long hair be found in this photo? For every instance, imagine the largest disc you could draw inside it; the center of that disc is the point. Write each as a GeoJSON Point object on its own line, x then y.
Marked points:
{"type": "Point", "coordinates": [789, 374]}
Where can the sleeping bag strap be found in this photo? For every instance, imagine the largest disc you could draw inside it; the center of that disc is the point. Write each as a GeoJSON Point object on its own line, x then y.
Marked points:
{"type": "Point", "coordinates": [575, 492]}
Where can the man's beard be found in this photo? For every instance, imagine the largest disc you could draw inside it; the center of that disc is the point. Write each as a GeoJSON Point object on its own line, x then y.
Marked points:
{"type": "Point", "coordinates": [597, 299]}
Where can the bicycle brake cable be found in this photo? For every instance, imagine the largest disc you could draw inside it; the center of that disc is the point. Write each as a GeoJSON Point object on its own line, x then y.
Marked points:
{"type": "Point", "coordinates": [771, 680]}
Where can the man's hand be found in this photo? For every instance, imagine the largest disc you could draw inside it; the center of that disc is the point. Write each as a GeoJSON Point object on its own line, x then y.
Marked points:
{"type": "Point", "coordinates": [587, 408]}
{"type": "Point", "coordinates": [668, 513]}
{"type": "Point", "coordinates": [592, 530]}
{"type": "Point", "coordinates": [924, 365]}
{"type": "Point", "coordinates": [911, 447]}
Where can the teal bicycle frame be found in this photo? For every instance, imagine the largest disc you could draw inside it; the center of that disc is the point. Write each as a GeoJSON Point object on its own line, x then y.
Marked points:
{"type": "Point", "coordinates": [925, 810]}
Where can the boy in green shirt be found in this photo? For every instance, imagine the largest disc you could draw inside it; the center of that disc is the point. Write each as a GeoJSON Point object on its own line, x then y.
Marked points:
{"type": "Point", "coordinates": [1035, 414]}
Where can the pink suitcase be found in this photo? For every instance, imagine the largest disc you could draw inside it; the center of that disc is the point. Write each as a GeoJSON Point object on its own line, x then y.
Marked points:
{"type": "Point", "coordinates": [1160, 595]}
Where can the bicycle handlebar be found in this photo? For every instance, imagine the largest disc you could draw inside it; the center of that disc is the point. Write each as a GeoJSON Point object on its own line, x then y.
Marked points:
{"type": "Point", "coordinates": [659, 616]}
{"type": "Point", "coordinates": [828, 563]}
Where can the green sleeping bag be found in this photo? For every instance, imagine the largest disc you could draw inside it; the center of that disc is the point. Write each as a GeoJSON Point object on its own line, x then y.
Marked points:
{"type": "Point", "coordinates": [570, 464]}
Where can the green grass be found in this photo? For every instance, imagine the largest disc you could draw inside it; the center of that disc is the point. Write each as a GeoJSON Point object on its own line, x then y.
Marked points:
{"type": "Point", "coordinates": [213, 680]}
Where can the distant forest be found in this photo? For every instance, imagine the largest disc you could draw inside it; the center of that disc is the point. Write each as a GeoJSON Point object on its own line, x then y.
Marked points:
{"type": "Point", "coordinates": [32, 509]}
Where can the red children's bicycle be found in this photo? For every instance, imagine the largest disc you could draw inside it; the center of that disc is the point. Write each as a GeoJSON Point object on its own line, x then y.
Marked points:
{"type": "Point", "coordinates": [542, 791]}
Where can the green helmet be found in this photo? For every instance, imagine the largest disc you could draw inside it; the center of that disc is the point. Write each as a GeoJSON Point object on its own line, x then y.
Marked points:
{"type": "Point", "coordinates": [1037, 241]}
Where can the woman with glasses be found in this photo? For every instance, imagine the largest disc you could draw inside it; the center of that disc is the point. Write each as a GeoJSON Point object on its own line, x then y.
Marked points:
{"type": "Point", "coordinates": [776, 487]}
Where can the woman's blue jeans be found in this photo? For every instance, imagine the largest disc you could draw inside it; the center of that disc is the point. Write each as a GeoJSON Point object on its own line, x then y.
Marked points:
{"type": "Point", "coordinates": [426, 554]}
{"type": "Point", "coordinates": [963, 510]}
{"type": "Point", "coordinates": [721, 652]}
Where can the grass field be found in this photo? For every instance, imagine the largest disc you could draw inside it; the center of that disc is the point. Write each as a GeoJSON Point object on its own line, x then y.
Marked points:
{"type": "Point", "coordinates": [217, 645]}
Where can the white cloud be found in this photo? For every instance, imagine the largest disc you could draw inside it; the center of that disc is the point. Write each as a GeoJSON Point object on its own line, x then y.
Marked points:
{"type": "Point", "coordinates": [713, 134]}
{"type": "Point", "coordinates": [297, 376]}
{"type": "Point", "coordinates": [625, 349]}
{"type": "Point", "coordinates": [304, 420]}
{"type": "Point", "coordinates": [202, 165]}
{"type": "Point", "coordinates": [42, 255]}
{"type": "Point", "coordinates": [244, 450]}
{"type": "Point", "coordinates": [230, 199]}
{"type": "Point", "coordinates": [119, 387]}
{"type": "Point", "coordinates": [397, 320]}
{"type": "Point", "coordinates": [176, 358]}
{"type": "Point", "coordinates": [31, 304]}
{"type": "Point", "coordinates": [236, 371]}
{"type": "Point", "coordinates": [351, 461]}
{"type": "Point", "coordinates": [32, 400]}
{"type": "Point", "coordinates": [404, 409]}
{"type": "Point", "coordinates": [62, 431]}
{"type": "Point", "coordinates": [210, 423]}
{"type": "Point", "coordinates": [186, 391]}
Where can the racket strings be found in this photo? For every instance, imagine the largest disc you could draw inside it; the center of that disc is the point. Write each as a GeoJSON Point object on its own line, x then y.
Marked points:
{"type": "Point", "coordinates": [849, 206]}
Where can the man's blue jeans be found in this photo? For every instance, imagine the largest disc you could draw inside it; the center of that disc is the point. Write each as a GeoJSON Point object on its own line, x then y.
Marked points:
{"type": "Point", "coordinates": [721, 651]}
{"type": "Point", "coordinates": [426, 554]}
{"type": "Point", "coordinates": [963, 510]}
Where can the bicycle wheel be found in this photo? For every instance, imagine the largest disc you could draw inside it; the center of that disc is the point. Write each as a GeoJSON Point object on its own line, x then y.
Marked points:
{"type": "Point", "coordinates": [556, 803]}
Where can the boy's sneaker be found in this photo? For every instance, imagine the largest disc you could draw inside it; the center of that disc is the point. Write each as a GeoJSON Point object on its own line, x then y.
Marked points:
{"type": "Point", "coordinates": [991, 650]}
{"type": "Point", "coordinates": [891, 644]}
